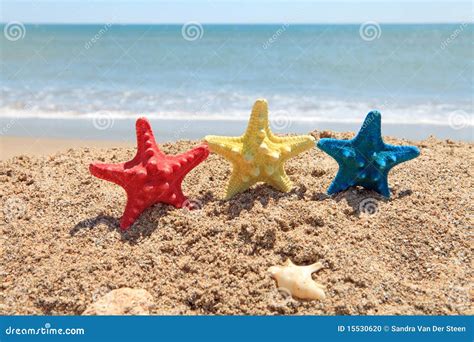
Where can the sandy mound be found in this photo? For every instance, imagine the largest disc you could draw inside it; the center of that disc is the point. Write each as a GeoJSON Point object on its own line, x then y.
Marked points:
{"type": "Point", "coordinates": [62, 249]}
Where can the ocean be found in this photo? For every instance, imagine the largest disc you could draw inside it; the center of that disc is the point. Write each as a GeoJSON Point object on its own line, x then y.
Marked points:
{"type": "Point", "coordinates": [310, 74]}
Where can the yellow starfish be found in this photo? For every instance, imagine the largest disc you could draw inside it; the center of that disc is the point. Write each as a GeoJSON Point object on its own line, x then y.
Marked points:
{"type": "Point", "coordinates": [258, 155]}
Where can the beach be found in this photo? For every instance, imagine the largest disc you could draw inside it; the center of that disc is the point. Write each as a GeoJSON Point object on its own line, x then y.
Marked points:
{"type": "Point", "coordinates": [102, 130]}
{"type": "Point", "coordinates": [11, 146]}
{"type": "Point", "coordinates": [62, 248]}
{"type": "Point", "coordinates": [71, 94]}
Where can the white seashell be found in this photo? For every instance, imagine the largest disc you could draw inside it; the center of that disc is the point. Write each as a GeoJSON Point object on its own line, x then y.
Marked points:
{"type": "Point", "coordinates": [297, 280]}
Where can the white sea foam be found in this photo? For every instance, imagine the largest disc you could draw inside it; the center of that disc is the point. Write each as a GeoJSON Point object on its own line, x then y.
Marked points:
{"type": "Point", "coordinates": [346, 113]}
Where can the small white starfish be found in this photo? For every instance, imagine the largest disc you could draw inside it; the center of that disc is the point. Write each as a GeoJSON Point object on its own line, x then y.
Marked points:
{"type": "Point", "coordinates": [297, 280]}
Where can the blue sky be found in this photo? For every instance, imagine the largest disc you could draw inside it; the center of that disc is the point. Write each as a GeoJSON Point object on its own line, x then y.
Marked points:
{"type": "Point", "coordinates": [226, 11]}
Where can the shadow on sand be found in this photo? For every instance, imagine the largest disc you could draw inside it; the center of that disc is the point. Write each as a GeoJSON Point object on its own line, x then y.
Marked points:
{"type": "Point", "coordinates": [361, 201]}
{"type": "Point", "coordinates": [261, 193]}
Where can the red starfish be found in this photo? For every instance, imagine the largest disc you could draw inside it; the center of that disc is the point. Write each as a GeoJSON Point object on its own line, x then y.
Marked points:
{"type": "Point", "coordinates": [151, 176]}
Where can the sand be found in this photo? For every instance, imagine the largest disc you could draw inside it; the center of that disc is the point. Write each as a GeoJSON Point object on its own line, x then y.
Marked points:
{"type": "Point", "coordinates": [37, 146]}
{"type": "Point", "coordinates": [62, 248]}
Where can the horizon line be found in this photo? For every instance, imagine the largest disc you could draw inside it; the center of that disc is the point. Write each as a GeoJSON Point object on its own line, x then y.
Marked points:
{"type": "Point", "coordinates": [241, 23]}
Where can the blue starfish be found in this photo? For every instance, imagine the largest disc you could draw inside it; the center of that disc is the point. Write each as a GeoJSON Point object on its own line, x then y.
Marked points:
{"type": "Point", "coordinates": [366, 159]}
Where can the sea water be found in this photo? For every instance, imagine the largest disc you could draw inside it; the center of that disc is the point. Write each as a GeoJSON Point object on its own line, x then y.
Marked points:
{"type": "Point", "coordinates": [413, 74]}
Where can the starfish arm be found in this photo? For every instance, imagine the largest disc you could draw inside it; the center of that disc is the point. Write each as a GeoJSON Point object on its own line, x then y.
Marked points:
{"type": "Point", "coordinates": [237, 184]}
{"type": "Point", "coordinates": [280, 181]}
{"type": "Point", "coordinates": [133, 209]}
{"type": "Point", "coordinates": [114, 173]}
{"type": "Point", "coordinates": [292, 146]}
{"type": "Point", "coordinates": [321, 286]}
{"type": "Point", "coordinates": [313, 267]}
{"type": "Point", "coordinates": [338, 149]}
{"type": "Point", "coordinates": [145, 138]}
{"type": "Point", "coordinates": [228, 147]}
{"type": "Point", "coordinates": [177, 198]}
{"type": "Point", "coordinates": [392, 156]}
{"type": "Point", "coordinates": [179, 166]}
{"type": "Point", "coordinates": [387, 159]}
{"type": "Point", "coordinates": [382, 187]}
{"type": "Point", "coordinates": [258, 121]}
{"type": "Point", "coordinates": [379, 183]}
{"type": "Point", "coordinates": [371, 131]}
{"type": "Point", "coordinates": [190, 159]}
{"type": "Point", "coordinates": [341, 182]}
{"type": "Point", "coordinates": [399, 154]}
